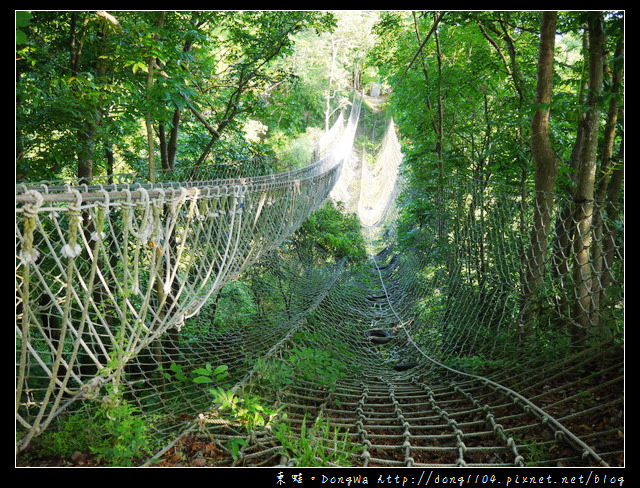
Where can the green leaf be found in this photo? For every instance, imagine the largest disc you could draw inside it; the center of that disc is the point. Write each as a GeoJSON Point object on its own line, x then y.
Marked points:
{"type": "Point", "coordinates": [202, 371]}
{"type": "Point", "coordinates": [202, 379]}
{"type": "Point", "coordinates": [220, 369]}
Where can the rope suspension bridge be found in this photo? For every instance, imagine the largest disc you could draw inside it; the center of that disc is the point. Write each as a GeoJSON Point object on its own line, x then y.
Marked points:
{"type": "Point", "coordinates": [195, 297]}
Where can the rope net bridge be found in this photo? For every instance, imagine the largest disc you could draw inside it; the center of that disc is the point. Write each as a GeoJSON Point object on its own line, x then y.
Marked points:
{"type": "Point", "coordinates": [245, 343]}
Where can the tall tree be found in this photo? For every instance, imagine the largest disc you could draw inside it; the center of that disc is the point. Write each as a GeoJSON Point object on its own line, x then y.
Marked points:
{"type": "Point", "coordinates": [585, 153]}
{"type": "Point", "coordinates": [609, 184]}
{"type": "Point", "coordinates": [151, 68]}
{"type": "Point", "coordinates": [546, 170]}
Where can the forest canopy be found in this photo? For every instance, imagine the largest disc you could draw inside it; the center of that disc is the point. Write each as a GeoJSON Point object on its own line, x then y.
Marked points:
{"type": "Point", "coordinates": [99, 93]}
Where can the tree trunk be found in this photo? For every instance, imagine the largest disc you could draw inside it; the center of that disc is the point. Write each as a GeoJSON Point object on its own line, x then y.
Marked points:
{"type": "Point", "coordinates": [329, 95]}
{"type": "Point", "coordinates": [148, 118]}
{"type": "Point", "coordinates": [169, 146]}
{"type": "Point", "coordinates": [546, 173]}
{"type": "Point", "coordinates": [584, 193]}
{"type": "Point", "coordinates": [601, 265]}
{"type": "Point", "coordinates": [172, 146]}
{"type": "Point", "coordinates": [565, 223]}
{"type": "Point", "coordinates": [437, 120]}
{"type": "Point", "coordinates": [149, 125]}
{"type": "Point", "coordinates": [86, 134]}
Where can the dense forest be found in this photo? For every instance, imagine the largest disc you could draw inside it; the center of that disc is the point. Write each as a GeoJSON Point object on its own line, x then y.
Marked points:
{"type": "Point", "coordinates": [521, 103]}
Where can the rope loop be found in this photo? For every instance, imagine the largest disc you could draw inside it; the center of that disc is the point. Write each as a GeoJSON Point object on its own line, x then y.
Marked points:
{"type": "Point", "coordinates": [31, 209]}
{"type": "Point", "coordinates": [72, 248]}
{"type": "Point", "coordinates": [28, 254]}
{"type": "Point", "coordinates": [98, 234]}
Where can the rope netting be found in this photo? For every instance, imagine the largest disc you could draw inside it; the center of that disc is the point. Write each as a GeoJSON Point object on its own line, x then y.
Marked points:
{"type": "Point", "coordinates": [246, 345]}
{"type": "Point", "coordinates": [105, 272]}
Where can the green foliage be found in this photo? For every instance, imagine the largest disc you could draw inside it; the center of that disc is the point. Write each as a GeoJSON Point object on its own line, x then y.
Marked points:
{"type": "Point", "coordinates": [292, 109]}
{"type": "Point", "coordinates": [244, 409]}
{"type": "Point", "coordinates": [335, 232]}
{"type": "Point", "coordinates": [114, 431]}
{"type": "Point", "coordinates": [304, 363]}
{"type": "Point", "coordinates": [534, 451]}
{"type": "Point", "coordinates": [210, 375]}
{"type": "Point", "coordinates": [125, 436]}
{"type": "Point", "coordinates": [204, 375]}
{"type": "Point", "coordinates": [313, 446]}
{"type": "Point", "coordinates": [91, 103]}
{"type": "Point", "coordinates": [239, 409]}
{"type": "Point", "coordinates": [22, 21]}
{"type": "Point", "coordinates": [317, 445]}
{"type": "Point", "coordinates": [295, 152]}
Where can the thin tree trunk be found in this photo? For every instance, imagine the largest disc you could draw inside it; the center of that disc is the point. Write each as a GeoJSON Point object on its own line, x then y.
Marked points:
{"type": "Point", "coordinates": [86, 134]}
{"type": "Point", "coordinates": [169, 145]}
{"type": "Point", "coordinates": [437, 121]}
{"type": "Point", "coordinates": [584, 194]}
{"type": "Point", "coordinates": [565, 223]}
{"type": "Point", "coordinates": [604, 176]}
{"type": "Point", "coordinates": [172, 144]}
{"type": "Point", "coordinates": [148, 118]}
{"type": "Point", "coordinates": [546, 172]}
{"type": "Point", "coordinates": [149, 125]}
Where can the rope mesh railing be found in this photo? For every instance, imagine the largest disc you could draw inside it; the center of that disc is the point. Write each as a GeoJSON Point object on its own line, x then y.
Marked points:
{"type": "Point", "coordinates": [413, 358]}
{"type": "Point", "coordinates": [102, 273]}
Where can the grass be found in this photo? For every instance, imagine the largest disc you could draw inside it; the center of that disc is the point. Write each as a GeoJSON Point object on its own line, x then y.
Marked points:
{"type": "Point", "coordinates": [318, 444]}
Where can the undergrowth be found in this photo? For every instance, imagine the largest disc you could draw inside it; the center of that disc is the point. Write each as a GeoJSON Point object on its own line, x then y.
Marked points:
{"type": "Point", "coordinates": [111, 430]}
{"type": "Point", "coordinates": [317, 444]}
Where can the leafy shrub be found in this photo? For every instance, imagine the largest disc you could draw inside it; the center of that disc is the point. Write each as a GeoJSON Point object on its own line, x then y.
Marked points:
{"type": "Point", "coordinates": [335, 232]}
{"type": "Point", "coordinates": [114, 431]}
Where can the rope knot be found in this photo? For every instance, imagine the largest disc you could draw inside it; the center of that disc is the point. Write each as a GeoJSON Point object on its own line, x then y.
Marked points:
{"type": "Point", "coordinates": [28, 253]}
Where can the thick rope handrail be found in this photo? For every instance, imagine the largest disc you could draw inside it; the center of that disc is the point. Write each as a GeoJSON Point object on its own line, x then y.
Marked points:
{"type": "Point", "coordinates": [330, 160]}
{"type": "Point", "coordinates": [141, 191]}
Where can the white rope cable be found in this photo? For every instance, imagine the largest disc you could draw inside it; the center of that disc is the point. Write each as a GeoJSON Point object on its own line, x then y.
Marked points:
{"type": "Point", "coordinates": [118, 267]}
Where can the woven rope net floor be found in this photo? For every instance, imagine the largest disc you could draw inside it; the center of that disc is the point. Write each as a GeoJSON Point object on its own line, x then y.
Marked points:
{"type": "Point", "coordinates": [412, 357]}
